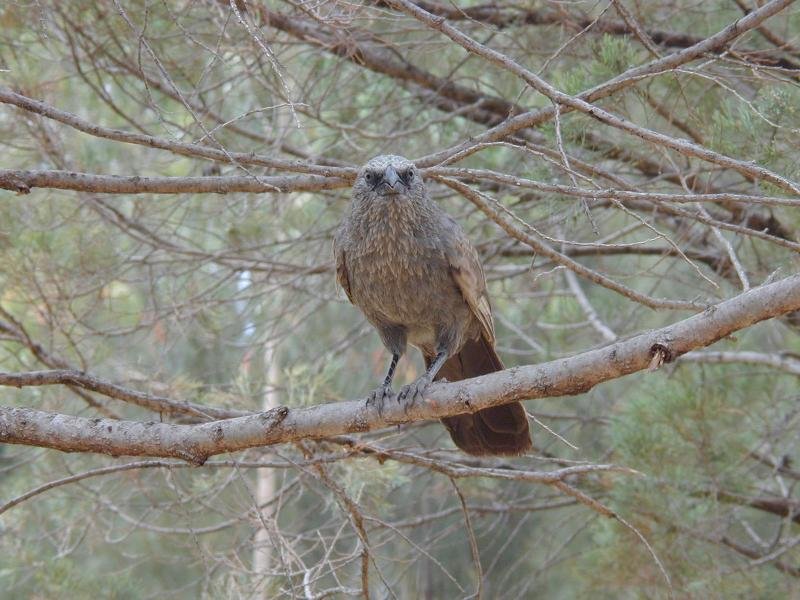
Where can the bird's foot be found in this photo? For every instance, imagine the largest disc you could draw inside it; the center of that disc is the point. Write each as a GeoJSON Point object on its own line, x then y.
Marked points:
{"type": "Point", "coordinates": [409, 394]}
{"type": "Point", "coordinates": [378, 397]}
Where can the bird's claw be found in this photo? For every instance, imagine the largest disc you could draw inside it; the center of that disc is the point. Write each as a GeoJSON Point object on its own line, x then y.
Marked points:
{"type": "Point", "coordinates": [409, 393]}
{"type": "Point", "coordinates": [378, 396]}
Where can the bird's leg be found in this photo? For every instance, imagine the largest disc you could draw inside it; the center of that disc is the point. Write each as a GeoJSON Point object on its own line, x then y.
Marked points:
{"type": "Point", "coordinates": [409, 393]}
{"type": "Point", "coordinates": [378, 395]}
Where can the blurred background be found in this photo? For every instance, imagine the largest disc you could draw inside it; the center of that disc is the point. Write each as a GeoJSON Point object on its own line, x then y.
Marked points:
{"type": "Point", "coordinates": [229, 299]}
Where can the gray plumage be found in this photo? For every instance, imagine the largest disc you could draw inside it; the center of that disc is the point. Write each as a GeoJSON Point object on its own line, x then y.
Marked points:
{"type": "Point", "coordinates": [412, 271]}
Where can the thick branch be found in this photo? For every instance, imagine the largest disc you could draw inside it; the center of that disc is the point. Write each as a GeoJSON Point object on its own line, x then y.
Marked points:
{"type": "Point", "coordinates": [562, 377]}
{"type": "Point", "coordinates": [22, 182]}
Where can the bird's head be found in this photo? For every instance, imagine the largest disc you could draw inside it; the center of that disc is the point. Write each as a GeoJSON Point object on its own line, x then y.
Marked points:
{"type": "Point", "coordinates": [388, 178]}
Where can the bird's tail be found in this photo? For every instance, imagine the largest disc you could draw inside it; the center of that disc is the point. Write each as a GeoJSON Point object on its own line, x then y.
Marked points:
{"type": "Point", "coordinates": [500, 430]}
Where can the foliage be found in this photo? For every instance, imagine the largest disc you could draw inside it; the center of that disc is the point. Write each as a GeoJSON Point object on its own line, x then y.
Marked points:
{"type": "Point", "coordinates": [228, 300]}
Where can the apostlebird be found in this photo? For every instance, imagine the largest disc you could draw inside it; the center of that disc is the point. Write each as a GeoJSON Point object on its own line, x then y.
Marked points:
{"type": "Point", "coordinates": [412, 271]}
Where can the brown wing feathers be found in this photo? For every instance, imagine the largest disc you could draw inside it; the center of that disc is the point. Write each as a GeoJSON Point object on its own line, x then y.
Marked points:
{"type": "Point", "coordinates": [496, 430]}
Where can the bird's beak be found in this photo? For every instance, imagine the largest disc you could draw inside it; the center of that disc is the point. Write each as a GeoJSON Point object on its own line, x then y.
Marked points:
{"type": "Point", "coordinates": [392, 179]}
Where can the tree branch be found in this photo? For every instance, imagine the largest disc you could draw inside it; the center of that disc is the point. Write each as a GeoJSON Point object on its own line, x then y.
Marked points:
{"type": "Point", "coordinates": [562, 377]}
{"type": "Point", "coordinates": [788, 363]}
{"type": "Point", "coordinates": [22, 181]}
{"type": "Point", "coordinates": [509, 16]}
{"type": "Point", "coordinates": [180, 148]}
{"type": "Point", "coordinates": [85, 381]}
{"type": "Point", "coordinates": [582, 101]}
{"type": "Point", "coordinates": [577, 103]}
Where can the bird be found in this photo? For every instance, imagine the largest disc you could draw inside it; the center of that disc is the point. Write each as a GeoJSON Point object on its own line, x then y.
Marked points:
{"type": "Point", "coordinates": [411, 270]}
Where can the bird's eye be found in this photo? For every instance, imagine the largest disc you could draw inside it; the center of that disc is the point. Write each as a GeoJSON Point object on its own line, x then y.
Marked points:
{"type": "Point", "coordinates": [408, 175]}
{"type": "Point", "coordinates": [369, 176]}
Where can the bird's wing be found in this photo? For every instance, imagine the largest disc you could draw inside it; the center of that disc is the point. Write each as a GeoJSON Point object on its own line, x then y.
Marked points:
{"type": "Point", "coordinates": [466, 270]}
{"type": "Point", "coordinates": [341, 268]}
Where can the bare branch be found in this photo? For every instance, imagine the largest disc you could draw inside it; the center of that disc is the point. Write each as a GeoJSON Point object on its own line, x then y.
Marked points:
{"type": "Point", "coordinates": [23, 181]}
{"type": "Point", "coordinates": [582, 102]}
{"type": "Point", "coordinates": [788, 363]}
{"type": "Point", "coordinates": [89, 382]}
{"type": "Point", "coordinates": [181, 148]}
{"type": "Point", "coordinates": [570, 376]}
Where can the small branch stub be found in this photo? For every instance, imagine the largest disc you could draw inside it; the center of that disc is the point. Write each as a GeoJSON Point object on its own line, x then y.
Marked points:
{"type": "Point", "coordinates": [15, 184]}
{"type": "Point", "coordinates": [660, 355]}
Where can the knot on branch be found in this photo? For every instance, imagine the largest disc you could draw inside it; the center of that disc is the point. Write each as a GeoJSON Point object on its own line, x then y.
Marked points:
{"type": "Point", "coordinates": [9, 181]}
{"type": "Point", "coordinates": [659, 354]}
{"type": "Point", "coordinates": [194, 457]}
{"type": "Point", "coordinates": [273, 417]}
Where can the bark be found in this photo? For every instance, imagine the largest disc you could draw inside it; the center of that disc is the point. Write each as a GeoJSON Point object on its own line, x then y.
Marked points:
{"type": "Point", "coordinates": [22, 181]}
{"type": "Point", "coordinates": [569, 376]}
